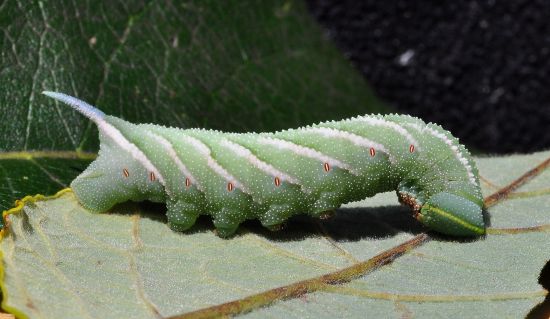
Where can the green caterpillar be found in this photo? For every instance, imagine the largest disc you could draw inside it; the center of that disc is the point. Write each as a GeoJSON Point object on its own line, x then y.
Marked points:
{"type": "Point", "coordinates": [272, 176]}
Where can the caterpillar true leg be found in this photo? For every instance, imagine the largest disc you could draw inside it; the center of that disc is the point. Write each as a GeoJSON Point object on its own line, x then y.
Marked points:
{"type": "Point", "coordinates": [326, 214]}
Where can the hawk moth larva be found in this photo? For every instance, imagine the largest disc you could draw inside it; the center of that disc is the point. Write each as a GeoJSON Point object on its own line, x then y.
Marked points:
{"type": "Point", "coordinates": [272, 176]}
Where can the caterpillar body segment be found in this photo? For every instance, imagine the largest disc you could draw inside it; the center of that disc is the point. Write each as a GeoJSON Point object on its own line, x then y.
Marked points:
{"type": "Point", "coordinates": [272, 176]}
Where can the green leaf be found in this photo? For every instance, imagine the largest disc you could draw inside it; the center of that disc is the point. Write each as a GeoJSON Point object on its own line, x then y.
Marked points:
{"type": "Point", "coordinates": [237, 66]}
{"type": "Point", "coordinates": [60, 261]}
{"type": "Point", "coordinates": [37, 172]}
{"type": "Point", "coordinates": [246, 66]}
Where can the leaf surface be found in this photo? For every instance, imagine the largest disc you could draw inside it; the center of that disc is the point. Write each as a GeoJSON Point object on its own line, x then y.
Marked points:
{"type": "Point", "coordinates": [61, 261]}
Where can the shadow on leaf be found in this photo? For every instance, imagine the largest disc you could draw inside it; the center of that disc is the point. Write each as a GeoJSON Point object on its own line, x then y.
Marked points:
{"type": "Point", "coordinates": [542, 310]}
{"type": "Point", "coordinates": [351, 224]}
{"type": "Point", "coordinates": [346, 224]}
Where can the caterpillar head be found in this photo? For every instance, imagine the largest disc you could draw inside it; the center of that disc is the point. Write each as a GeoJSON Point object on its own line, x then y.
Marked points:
{"type": "Point", "coordinates": [452, 215]}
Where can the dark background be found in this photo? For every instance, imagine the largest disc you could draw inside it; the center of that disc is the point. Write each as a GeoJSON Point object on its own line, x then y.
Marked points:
{"type": "Point", "coordinates": [481, 69]}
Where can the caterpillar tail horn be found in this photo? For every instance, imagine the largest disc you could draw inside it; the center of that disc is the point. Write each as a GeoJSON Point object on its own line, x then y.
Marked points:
{"type": "Point", "coordinates": [84, 108]}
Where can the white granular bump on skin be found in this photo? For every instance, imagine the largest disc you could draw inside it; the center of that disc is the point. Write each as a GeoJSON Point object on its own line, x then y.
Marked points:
{"type": "Point", "coordinates": [459, 156]}
{"type": "Point", "coordinates": [394, 126]}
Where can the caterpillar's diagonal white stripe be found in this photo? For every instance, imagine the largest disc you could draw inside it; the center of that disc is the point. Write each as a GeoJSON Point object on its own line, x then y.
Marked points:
{"type": "Point", "coordinates": [306, 152]}
{"type": "Point", "coordinates": [245, 153]}
{"type": "Point", "coordinates": [213, 164]}
{"type": "Point", "coordinates": [353, 138]}
{"type": "Point", "coordinates": [175, 158]}
{"type": "Point", "coordinates": [454, 148]}
{"type": "Point", "coordinates": [374, 121]}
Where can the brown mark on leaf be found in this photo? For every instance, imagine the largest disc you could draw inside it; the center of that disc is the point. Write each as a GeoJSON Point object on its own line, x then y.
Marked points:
{"type": "Point", "coordinates": [26, 224]}
{"type": "Point", "coordinates": [504, 192]}
{"type": "Point", "coordinates": [30, 305]}
{"type": "Point", "coordinates": [406, 313]}
{"type": "Point", "coordinates": [298, 289]}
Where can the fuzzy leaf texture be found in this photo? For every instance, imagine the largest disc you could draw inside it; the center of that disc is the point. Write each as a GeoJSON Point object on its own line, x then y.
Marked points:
{"type": "Point", "coordinates": [246, 66]}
